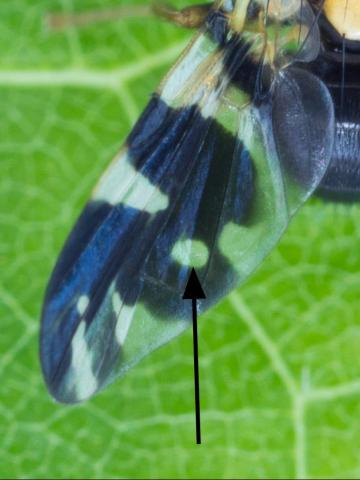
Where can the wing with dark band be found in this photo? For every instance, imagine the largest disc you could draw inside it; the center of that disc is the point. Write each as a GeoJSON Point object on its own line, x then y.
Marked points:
{"type": "Point", "coordinates": [209, 177]}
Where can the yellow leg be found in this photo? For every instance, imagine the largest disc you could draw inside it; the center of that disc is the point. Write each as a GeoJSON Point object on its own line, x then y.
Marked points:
{"type": "Point", "coordinates": [189, 17]}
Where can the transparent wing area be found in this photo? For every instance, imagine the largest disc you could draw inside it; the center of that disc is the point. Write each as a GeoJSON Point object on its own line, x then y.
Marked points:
{"type": "Point", "coordinates": [206, 180]}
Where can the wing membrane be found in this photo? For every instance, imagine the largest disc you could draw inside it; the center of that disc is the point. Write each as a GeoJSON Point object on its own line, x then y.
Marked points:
{"type": "Point", "coordinates": [208, 178]}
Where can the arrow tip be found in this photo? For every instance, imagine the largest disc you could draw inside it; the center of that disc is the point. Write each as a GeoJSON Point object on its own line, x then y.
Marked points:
{"type": "Point", "coordinates": [193, 287]}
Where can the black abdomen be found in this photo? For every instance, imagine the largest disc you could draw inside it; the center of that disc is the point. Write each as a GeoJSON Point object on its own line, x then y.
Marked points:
{"type": "Point", "coordinates": [341, 182]}
{"type": "Point", "coordinates": [342, 179]}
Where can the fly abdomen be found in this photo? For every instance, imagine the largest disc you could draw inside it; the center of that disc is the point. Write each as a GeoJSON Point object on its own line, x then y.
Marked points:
{"type": "Point", "coordinates": [342, 179]}
{"type": "Point", "coordinates": [341, 74]}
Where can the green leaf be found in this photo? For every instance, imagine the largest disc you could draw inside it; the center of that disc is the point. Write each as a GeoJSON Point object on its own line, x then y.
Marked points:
{"type": "Point", "coordinates": [279, 362]}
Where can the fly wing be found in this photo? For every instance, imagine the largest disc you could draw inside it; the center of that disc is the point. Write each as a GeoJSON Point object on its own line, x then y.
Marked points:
{"type": "Point", "coordinates": [207, 179]}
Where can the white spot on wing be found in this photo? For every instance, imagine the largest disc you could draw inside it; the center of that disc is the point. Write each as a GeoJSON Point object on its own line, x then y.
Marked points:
{"type": "Point", "coordinates": [182, 72]}
{"type": "Point", "coordinates": [82, 304]}
{"type": "Point", "coordinates": [213, 89]}
{"type": "Point", "coordinates": [84, 379]}
{"type": "Point", "coordinates": [192, 253]}
{"type": "Point", "coordinates": [209, 89]}
{"type": "Point", "coordinates": [122, 183]}
{"type": "Point", "coordinates": [210, 105]}
{"type": "Point", "coordinates": [124, 315]}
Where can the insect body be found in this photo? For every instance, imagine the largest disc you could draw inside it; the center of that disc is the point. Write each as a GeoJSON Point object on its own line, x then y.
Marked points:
{"type": "Point", "coordinates": [338, 65]}
{"type": "Point", "coordinates": [239, 134]}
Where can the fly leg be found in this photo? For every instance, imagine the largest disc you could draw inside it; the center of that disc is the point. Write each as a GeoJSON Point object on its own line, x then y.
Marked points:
{"type": "Point", "coordinates": [188, 17]}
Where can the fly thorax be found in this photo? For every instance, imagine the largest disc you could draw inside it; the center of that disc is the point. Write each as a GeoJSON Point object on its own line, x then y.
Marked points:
{"type": "Point", "coordinates": [279, 31]}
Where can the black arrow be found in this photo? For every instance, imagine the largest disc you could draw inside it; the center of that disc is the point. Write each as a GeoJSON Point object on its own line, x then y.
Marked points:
{"type": "Point", "coordinates": [193, 291]}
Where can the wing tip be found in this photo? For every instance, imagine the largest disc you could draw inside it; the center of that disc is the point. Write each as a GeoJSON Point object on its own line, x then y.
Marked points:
{"type": "Point", "coordinates": [69, 379]}
{"type": "Point", "coordinates": [70, 392]}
